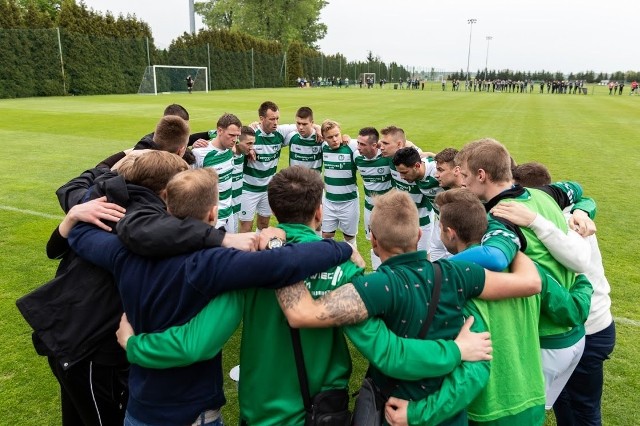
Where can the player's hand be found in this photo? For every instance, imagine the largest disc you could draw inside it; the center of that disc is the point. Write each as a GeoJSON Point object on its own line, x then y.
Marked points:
{"type": "Point", "coordinates": [319, 137]}
{"type": "Point", "coordinates": [201, 143]}
{"type": "Point", "coordinates": [582, 223]}
{"type": "Point", "coordinates": [395, 411]}
{"type": "Point", "coordinates": [516, 213]}
{"type": "Point", "coordinates": [94, 212]}
{"type": "Point", "coordinates": [356, 258]}
{"type": "Point", "coordinates": [473, 346]}
{"type": "Point", "coordinates": [124, 332]}
{"type": "Point", "coordinates": [251, 156]}
{"type": "Point", "coordinates": [246, 241]}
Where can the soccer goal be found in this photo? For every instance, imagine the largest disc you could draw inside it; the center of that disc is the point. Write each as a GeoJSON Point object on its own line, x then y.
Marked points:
{"type": "Point", "coordinates": [368, 77]}
{"type": "Point", "coordinates": [173, 78]}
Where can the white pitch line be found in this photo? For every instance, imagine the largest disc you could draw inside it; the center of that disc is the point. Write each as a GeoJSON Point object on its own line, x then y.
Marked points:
{"type": "Point", "coordinates": [31, 212]}
{"type": "Point", "coordinates": [626, 321]}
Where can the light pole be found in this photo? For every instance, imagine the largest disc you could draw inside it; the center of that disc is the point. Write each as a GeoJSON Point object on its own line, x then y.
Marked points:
{"type": "Point", "coordinates": [486, 62]}
{"type": "Point", "coordinates": [470, 22]}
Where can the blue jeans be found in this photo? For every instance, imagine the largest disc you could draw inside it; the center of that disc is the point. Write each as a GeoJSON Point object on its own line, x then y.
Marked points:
{"type": "Point", "coordinates": [579, 402]}
{"type": "Point", "coordinates": [130, 421]}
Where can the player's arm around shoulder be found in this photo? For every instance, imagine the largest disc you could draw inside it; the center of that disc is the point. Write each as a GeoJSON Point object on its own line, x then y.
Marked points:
{"type": "Point", "coordinates": [523, 280]}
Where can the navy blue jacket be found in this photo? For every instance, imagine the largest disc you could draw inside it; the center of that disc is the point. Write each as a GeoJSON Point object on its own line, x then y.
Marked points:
{"type": "Point", "coordinates": [158, 294]}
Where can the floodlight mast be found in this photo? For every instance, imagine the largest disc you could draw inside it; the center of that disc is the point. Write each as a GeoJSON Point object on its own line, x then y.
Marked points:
{"type": "Point", "coordinates": [470, 22]}
{"type": "Point", "coordinates": [486, 61]}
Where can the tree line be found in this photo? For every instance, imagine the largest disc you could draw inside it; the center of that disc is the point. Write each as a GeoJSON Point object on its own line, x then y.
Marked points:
{"type": "Point", "coordinates": [60, 47]}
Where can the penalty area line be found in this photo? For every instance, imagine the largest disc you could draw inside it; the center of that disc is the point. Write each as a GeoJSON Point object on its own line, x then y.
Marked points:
{"type": "Point", "coordinates": [31, 212]}
{"type": "Point", "coordinates": [626, 321]}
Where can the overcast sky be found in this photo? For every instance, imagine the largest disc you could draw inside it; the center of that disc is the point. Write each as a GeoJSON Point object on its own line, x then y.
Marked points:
{"type": "Point", "coordinates": [554, 35]}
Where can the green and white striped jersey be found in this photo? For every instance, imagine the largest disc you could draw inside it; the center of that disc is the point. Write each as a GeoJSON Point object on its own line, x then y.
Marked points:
{"type": "Point", "coordinates": [414, 191]}
{"type": "Point", "coordinates": [376, 176]}
{"type": "Point", "coordinates": [339, 173]}
{"type": "Point", "coordinates": [258, 173]}
{"type": "Point", "coordinates": [236, 180]}
{"type": "Point", "coordinates": [305, 152]}
{"type": "Point", "coordinates": [222, 162]}
{"type": "Point", "coordinates": [429, 185]}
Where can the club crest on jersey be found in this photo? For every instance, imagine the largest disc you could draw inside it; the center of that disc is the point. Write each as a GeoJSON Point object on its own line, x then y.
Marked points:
{"type": "Point", "coordinates": [341, 157]}
{"type": "Point", "coordinates": [380, 170]}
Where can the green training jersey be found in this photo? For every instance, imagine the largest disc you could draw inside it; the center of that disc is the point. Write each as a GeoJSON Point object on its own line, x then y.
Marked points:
{"type": "Point", "coordinates": [376, 176]}
{"type": "Point", "coordinates": [552, 335]}
{"type": "Point", "coordinates": [339, 173]}
{"type": "Point", "coordinates": [305, 152]}
{"type": "Point", "coordinates": [269, 388]}
{"type": "Point", "coordinates": [400, 291]}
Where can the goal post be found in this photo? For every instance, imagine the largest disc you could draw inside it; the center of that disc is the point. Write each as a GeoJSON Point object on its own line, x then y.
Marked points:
{"type": "Point", "coordinates": [366, 76]}
{"type": "Point", "coordinates": [173, 78]}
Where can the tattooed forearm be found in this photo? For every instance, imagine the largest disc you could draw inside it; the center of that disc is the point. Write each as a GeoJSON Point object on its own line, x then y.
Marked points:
{"type": "Point", "coordinates": [339, 307]}
{"type": "Point", "coordinates": [342, 307]}
{"type": "Point", "coordinates": [291, 295]}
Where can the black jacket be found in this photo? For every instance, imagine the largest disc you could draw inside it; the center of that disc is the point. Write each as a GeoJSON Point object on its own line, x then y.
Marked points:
{"type": "Point", "coordinates": [75, 315]}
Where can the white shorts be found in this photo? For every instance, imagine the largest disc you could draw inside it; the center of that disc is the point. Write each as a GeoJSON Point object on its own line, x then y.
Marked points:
{"type": "Point", "coordinates": [343, 216]}
{"type": "Point", "coordinates": [252, 203]}
{"type": "Point", "coordinates": [557, 366]}
{"type": "Point", "coordinates": [232, 224]}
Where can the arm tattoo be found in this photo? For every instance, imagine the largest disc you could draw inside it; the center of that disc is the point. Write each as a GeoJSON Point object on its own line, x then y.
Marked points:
{"type": "Point", "coordinates": [291, 295]}
{"type": "Point", "coordinates": [343, 306]}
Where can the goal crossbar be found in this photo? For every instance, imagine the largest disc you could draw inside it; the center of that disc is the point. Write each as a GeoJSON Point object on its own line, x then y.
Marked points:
{"type": "Point", "coordinates": [150, 72]}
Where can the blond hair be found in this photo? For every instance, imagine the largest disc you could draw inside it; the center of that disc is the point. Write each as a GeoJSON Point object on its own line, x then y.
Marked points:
{"type": "Point", "coordinates": [394, 132]}
{"type": "Point", "coordinates": [192, 193]}
{"type": "Point", "coordinates": [153, 169]}
{"type": "Point", "coordinates": [489, 155]}
{"type": "Point", "coordinates": [328, 125]}
{"type": "Point", "coordinates": [395, 222]}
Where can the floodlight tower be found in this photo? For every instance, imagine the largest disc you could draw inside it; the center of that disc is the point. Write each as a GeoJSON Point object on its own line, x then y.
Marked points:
{"type": "Point", "coordinates": [470, 22]}
{"type": "Point", "coordinates": [486, 61]}
{"type": "Point", "coordinates": [192, 17]}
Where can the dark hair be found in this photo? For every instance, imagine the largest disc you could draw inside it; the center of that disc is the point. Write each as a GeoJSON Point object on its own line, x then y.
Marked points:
{"type": "Point", "coordinates": [246, 131]}
{"type": "Point", "coordinates": [531, 174]}
{"type": "Point", "coordinates": [294, 194]}
{"type": "Point", "coordinates": [371, 133]}
{"type": "Point", "coordinates": [266, 106]}
{"type": "Point", "coordinates": [462, 211]}
{"type": "Point", "coordinates": [407, 156]}
{"type": "Point", "coordinates": [304, 112]}
{"type": "Point", "coordinates": [175, 109]}
{"type": "Point", "coordinates": [227, 120]}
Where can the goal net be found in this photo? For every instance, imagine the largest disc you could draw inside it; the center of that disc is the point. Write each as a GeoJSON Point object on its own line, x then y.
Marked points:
{"type": "Point", "coordinates": [173, 78]}
{"type": "Point", "coordinates": [368, 77]}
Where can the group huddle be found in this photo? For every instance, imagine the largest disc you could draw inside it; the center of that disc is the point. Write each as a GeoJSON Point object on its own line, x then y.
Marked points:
{"type": "Point", "coordinates": [487, 303]}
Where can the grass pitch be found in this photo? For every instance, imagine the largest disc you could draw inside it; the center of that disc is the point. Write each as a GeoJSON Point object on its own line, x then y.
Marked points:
{"type": "Point", "coordinates": [47, 141]}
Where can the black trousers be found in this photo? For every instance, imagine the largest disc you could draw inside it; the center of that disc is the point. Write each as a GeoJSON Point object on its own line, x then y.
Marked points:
{"type": "Point", "coordinates": [92, 394]}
